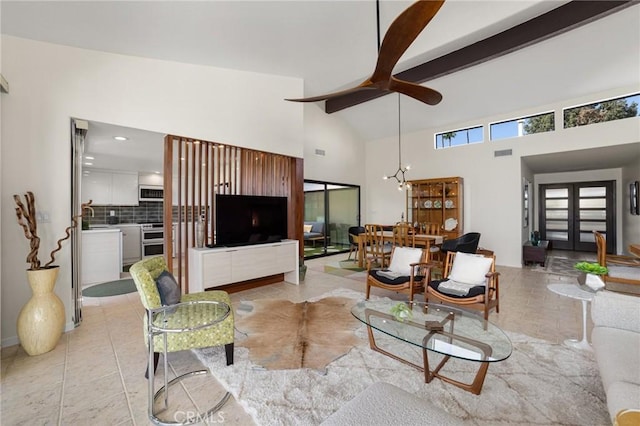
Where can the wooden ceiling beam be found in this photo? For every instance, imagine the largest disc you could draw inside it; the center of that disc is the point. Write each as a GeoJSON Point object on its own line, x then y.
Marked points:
{"type": "Point", "coordinates": [557, 21]}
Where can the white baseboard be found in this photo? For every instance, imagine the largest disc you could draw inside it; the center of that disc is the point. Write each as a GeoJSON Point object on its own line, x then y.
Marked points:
{"type": "Point", "coordinates": [13, 340]}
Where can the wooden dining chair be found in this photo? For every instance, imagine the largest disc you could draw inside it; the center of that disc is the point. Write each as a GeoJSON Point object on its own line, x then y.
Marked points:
{"type": "Point", "coordinates": [354, 233]}
{"type": "Point", "coordinates": [432, 228]}
{"type": "Point", "coordinates": [435, 254]}
{"type": "Point", "coordinates": [403, 235]}
{"type": "Point", "coordinates": [376, 250]}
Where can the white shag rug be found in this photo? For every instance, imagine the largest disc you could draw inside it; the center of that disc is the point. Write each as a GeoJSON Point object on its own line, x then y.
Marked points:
{"type": "Point", "coordinates": [540, 384]}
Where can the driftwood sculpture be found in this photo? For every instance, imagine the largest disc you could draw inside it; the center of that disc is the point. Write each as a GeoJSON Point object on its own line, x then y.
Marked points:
{"type": "Point", "coordinates": [27, 220]}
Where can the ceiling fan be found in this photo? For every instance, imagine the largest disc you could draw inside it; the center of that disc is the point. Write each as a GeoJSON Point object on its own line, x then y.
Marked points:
{"type": "Point", "coordinates": [401, 33]}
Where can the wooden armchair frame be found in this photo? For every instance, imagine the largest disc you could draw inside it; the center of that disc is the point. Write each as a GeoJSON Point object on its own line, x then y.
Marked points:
{"type": "Point", "coordinates": [614, 261]}
{"type": "Point", "coordinates": [420, 274]}
{"type": "Point", "coordinates": [484, 302]}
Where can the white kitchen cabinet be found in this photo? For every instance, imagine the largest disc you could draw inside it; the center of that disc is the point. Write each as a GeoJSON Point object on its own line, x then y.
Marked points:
{"type": "Point", "coordinates": [212, 267]}
{"type": "Point", "coordinates": [154, 179]}
{"type": "Point", "coordinates": [110, 188]}
{"type": "Point", "coordinates": [131, 243]}
{"type": "Point", "coordinates": [101, 256]}
{"type": "Point", "coordinates": [124, 189]}
{"type": "Point", "coordinates": [96, 186]}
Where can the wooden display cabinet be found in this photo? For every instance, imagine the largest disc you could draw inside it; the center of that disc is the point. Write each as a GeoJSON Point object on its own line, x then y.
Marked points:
{"type": "Point", "coordinates": [435, 201]}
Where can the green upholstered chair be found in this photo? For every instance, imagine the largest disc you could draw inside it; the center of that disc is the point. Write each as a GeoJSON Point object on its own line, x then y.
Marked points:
{"type": "Point", "coordinates": [144, 274]}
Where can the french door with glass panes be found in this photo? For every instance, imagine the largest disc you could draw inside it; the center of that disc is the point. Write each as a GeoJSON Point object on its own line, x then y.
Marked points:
{"type": "Point", "coordinates": [569, 212]}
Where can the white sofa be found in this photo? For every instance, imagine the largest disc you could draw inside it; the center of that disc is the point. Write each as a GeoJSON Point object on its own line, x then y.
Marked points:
{"type": "Point", "coordinates": [385, 404]}
{"type": "Point", "coordinates": [616, 342]}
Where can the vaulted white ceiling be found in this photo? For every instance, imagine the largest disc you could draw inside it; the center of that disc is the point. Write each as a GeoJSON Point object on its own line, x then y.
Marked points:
{"type": "Point", "coordinates": [332, 45]}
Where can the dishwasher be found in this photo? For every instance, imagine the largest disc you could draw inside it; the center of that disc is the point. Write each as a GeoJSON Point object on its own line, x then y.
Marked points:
{"type": "Point", "coordinates": [131, 243]}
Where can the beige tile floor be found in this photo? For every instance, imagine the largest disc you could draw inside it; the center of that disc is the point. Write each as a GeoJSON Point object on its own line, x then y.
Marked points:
{"type": "Point", "coordinates": [95, 375]}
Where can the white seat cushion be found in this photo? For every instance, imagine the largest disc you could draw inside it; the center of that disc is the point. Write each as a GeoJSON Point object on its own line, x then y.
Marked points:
{"type": "Point", "coordinates": [470, 268]}
{"type": "Point", "coordinates": [626, 272]}
{"type": "Point", "coordinates": [403, 257]}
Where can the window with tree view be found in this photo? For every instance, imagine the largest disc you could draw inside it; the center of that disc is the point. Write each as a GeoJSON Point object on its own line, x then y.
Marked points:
{"type": "Point", "coordinates": [459, 137]}
{"type": "Point", "coordinates": [522, 126]}
{"type": "Point", "coordinates": [599, 112]}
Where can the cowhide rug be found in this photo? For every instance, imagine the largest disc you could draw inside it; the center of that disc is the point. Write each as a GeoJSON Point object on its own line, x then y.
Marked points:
{"type": "Point", "coordinates": [285, 335]}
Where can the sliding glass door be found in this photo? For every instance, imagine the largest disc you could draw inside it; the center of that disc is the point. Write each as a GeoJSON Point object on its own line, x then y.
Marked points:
{"type": "Point", "coordinates": [329, 210]}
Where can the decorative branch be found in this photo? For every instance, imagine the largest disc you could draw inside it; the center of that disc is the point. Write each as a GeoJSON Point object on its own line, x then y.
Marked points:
{"type": "Point", "coordinates": [67, 231]}
{"type": "Point", "coordinates": [27, 220]}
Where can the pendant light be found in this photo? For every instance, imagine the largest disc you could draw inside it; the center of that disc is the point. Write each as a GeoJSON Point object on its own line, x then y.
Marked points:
{"type": "Point", "coordinates": [399, 174]}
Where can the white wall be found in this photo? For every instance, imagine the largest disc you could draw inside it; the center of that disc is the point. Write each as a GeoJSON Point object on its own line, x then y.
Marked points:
{"type": "Point", "coordinates": [52, 83]}
{"type": "Point", "coordinates": [343, 149]}
{"type": "Point", "coordinates": [343, 161]}
{"type": "Point", "coordinates": [630, 223]}
{"type": "Point", "coordinates": [492, 185]}
{"type": "Point", "coordinates": [2, 197]}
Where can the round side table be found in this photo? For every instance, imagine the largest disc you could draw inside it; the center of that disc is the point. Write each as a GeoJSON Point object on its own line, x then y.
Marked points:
{"type": "Point", "coordinates": [574, 292]}
{"type": "Point", "coordinates": [180, 318]}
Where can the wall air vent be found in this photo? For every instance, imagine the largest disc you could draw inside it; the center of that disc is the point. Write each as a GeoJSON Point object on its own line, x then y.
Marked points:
{"type": "Point", "coordinates": [502, 153]}
{"type": "Point", "coordinates": [320, 152]}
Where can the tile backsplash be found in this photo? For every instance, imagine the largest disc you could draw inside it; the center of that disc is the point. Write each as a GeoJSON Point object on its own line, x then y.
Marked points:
{"type": "Point", "coordinates": [146, 212]}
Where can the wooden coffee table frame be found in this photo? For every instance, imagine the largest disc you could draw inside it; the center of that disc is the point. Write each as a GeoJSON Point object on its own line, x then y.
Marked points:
{"type": "Point", "coordinates": [474, 387]}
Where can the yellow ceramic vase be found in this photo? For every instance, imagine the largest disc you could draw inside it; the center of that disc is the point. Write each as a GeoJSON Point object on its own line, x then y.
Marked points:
{"type": "Point", "coordinates": [41, 320]}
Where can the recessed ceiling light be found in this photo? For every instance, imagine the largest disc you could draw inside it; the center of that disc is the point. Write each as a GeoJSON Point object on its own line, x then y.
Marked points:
{"type": "Point", "coordinates": [157, 172]}
{"type": "Point", "coordinates": [88, 164]}
{"type": "Point", "coordinates": [88, 157]}
{"type": "Point", "coordinates": [120, 138]}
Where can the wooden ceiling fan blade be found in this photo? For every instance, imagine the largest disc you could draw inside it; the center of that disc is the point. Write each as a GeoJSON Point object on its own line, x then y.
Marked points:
{"type": "Point", "coordinates": [416, 91]}
{"type": "Point", "coordinates": [401, 33]}
{"type": "Point", "coordinates": [364, 86]}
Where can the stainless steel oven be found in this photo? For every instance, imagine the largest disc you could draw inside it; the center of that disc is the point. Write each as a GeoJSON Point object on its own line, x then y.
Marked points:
{"type": "Point", "coordinates": [152, 236]}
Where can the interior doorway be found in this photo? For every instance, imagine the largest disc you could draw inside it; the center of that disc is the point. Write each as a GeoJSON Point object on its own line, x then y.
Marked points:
{"type": "Point", "coordinates": [569, 212]}
{"type": "Point", "coordinates": [332, 208]}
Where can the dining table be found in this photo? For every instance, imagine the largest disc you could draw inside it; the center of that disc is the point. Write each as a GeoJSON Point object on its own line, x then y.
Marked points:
{"type": "Point", "coordinates": [634, 249]}
{"type": "Point", "coordinates": [421, 240]}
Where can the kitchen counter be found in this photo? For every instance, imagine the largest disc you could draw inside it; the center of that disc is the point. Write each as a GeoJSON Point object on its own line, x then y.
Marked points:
{"type": "Point", "coordinates": [131, 249]}
{"type": "Point", "coordinates": [102, 226]}
{"type": "Point", "coordinates": [101, 255]}
{"type": "Point", "coordinates": [100, 230]}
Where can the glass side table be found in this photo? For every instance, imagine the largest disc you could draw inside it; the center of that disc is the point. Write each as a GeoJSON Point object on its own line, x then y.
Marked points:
{"type": "Point", "coordinates": [180, 318]}
{"type": "Point", "coordinates": [573, 291]}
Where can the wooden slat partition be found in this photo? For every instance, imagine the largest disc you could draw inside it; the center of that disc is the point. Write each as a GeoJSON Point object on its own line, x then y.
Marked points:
{"type": "Point", "coordinates": [199, 170]}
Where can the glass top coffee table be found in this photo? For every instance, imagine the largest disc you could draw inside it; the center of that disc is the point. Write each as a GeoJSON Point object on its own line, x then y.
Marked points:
{"type": "Point", "coordinates": [436, 328]}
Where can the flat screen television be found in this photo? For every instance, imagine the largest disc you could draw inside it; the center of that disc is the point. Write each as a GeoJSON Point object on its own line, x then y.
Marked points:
{"type": "Point", "coordinates": [250, 219]}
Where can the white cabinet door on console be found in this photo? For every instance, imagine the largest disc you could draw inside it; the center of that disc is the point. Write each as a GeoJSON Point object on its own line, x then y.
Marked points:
{"type": "Point", "coordinates": [216, 269]}
{"type": "Point", "coordinates": [287, 257]}
{"type": "Point", "coordinates": [254, 262]}
{"type": "Point", "coordinates": [219, 266]}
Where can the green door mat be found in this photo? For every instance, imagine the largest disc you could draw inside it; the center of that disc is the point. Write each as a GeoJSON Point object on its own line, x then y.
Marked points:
{"type": "Point", "coordinates": [111, 288]}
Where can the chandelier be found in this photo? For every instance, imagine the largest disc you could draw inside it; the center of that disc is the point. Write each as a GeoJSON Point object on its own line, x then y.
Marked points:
{"type": "Point", "coordinates": [399, 174]}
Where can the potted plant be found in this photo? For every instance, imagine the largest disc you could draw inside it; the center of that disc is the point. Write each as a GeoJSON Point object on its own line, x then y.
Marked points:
{"type": "Point", "coordinates": [591, 275]}
{"type": "Point", "coordinates": [302, 268]}
{"type": "Point", "coordinates": [401, 312]}
{"type": "Point", "coordinates": [41, 320]}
